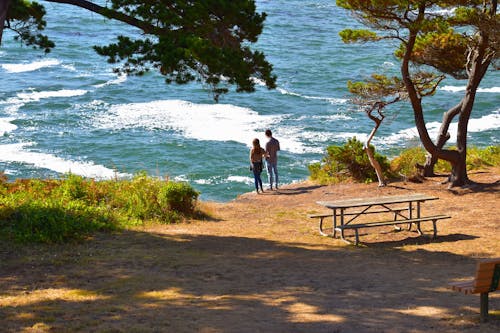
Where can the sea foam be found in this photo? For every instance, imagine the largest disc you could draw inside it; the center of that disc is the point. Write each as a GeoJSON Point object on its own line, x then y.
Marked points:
{"type": "Point", "coordinates": [118, 80]}
{"type": "Point", "coordinates": [16, 153]}
{"type": "Point", "coordinates": [206, 122]}
{"type": "Point", "coordinates": [6, 126]}
{"type": "Point", "coordinates": [331, 100]}
{"type": "Point", "coordinates": [485, 123]}
{"type": "Point", "coordinates": [29, 67]}
{"type": "Point", "coordinates": [14, 103]}
{"type": "Point", "coordinates": [462, 88]}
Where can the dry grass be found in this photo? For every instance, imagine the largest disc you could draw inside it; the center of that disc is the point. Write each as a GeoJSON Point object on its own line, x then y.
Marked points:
{"type": "Point", "coordinates": [257, 264]}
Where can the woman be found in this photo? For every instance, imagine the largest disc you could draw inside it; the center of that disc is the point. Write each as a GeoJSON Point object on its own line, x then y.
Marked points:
{"type": "Point", "coordinates": [256, 154]}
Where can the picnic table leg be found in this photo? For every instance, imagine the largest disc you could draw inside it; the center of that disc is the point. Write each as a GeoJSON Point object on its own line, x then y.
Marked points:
{"type": "Point", "coordinates": [484, 307]}
{"type": "Point", "coordinates": [320, 226]}
{"type": "Point", "coordinates": [418, 216]}
{"type": "Point", "coordinates": [342, 223]}
{"type": "Point", "coordinates": [434, 235]}
{"type": "Point", "coordinates": [410, 214]}
{"type": "Point", "coordinates": [334, 231]}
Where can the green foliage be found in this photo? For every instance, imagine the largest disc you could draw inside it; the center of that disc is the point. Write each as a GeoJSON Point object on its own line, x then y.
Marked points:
{"type": "Point", "coordinates": [184, 40]}
{"type": "Point", "coordinates": [25, 18]}
{"type": "Point", "coordinates": [477, 158]}
{"type": "Point", "coordinates": [358, 36]}
{"type": "Point", "coordinates": [72, 208]}
{"type": "Point", "coordinates": [347, 162]}
{"type": "Point", "coordinates": [405, 163]}
{"type": "Point", "coordinates": [336, 165]}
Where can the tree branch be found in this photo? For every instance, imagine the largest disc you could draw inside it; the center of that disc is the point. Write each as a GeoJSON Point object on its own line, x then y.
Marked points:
{"type": "Point", "coordinates": [112, 14]}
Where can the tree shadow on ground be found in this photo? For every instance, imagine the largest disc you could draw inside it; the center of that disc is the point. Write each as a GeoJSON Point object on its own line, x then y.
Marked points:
{"type": "Point", "coordinates": [297, 190]}
{"type": "Point", "coordinates": [147, 282]}
{"type": "Point", "coordinates": [425, 239]}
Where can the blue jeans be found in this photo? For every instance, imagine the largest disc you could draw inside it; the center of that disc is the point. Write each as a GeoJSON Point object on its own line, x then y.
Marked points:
{"type": "Point", "coordinates": [272, 172]}
{"type": "Point", "coordinates": [256, 176]}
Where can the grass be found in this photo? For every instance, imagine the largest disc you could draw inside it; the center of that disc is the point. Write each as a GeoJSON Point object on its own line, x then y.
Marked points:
{"type": "Point", "coordinates": [72, 208]}
{"type": "Point", "coordinates": [350, 162]}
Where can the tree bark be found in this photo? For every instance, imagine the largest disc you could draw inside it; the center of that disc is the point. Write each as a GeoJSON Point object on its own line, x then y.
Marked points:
{"type": "Point", "coordinates": [373, 161]}
{"type": "Point", "coordinates": [112, 14]}
{"type": "Point", "coordinates": [479, 62]}
{"type": "Point", "coordinates": [4, 7]}
{"type": "Point", "coordinates": [443, 137]}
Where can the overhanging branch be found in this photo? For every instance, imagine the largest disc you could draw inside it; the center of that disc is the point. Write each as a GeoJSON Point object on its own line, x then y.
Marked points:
{"type": "Point", "coordinates": [112, 14]}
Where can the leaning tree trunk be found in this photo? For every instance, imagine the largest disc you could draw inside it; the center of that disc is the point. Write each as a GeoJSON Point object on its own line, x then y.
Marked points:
{"type": "Point", "coordinates": [373, 161]}
{"type": "Point", "coordinates": [443, 137]}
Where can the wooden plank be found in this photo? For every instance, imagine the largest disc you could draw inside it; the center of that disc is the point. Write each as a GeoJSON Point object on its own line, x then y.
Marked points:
{"type": "Point", "coordinates": [359, 202]}
{"type": "Point", "coordinates": [379, 211]}
{"type": "Point", "coordinates": [392, 222]}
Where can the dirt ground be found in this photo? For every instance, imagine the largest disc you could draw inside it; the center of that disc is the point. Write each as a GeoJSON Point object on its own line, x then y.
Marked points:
{"type": "Point", "coordinates": [260, 265]}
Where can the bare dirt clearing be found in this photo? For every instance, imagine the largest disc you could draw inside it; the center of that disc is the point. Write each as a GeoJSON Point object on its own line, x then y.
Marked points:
{"type": "Point", "coordinates": [261, 266]}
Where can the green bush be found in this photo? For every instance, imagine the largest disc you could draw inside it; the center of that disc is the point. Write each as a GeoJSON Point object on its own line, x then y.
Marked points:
{"type": "Point", "coordinates": [180, 197]}
{"type": "Point", "coordinates": [72, 208]}
{"type": "Point", "coordinates": [477, 158]}
{"type": "Point", "coordinates": [347, 162]}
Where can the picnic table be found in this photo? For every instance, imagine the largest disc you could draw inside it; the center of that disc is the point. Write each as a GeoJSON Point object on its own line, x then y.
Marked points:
{"type": "Point", "coordinates": [405, 209]}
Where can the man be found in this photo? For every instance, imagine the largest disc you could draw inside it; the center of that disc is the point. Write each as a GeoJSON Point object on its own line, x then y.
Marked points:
{"type": "Point", "coordinates": [272, 147]}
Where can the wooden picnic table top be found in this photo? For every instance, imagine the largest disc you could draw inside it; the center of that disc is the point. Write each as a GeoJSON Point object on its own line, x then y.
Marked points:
{"type": "Point", "coordinates": [360, 202]}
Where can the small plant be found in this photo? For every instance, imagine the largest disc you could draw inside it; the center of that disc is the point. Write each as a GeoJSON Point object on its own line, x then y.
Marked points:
{"type": "Point", "coordinates": [346, 162]}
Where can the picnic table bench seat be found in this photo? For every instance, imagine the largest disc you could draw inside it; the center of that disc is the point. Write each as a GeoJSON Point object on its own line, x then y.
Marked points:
{"type": "Point", "coordinates": [417, 221]}
{"type": "Point", "coordinates": [322, 216]}
{"type": "Point", "coordinates": [486, 280]}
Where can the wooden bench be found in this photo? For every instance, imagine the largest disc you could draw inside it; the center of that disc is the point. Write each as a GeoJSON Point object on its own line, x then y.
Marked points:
{"type": "Point", "coordinates": [396, 211]}
{"type": "Point", "coordinates": [417, 221]}
{"type": "Point", "coordinates": [486, 280]}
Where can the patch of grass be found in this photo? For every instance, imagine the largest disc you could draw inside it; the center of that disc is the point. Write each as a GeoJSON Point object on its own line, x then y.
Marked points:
{"type": "Point", "coordinates": [56, 211]}
{"type": "Point", "coordinates": [350, 163]}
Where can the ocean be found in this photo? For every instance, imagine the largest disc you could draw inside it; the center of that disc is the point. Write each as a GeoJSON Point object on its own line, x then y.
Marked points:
{"type": "Point", "coordinates": [67, 111]}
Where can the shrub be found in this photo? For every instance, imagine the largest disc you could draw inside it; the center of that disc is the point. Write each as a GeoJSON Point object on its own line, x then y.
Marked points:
{"type": "Point", "coordinates": [347, 162]}
{"type": "Point", "coordinates": [477, 158]}
{"type": "Point", "coordinates": [52, 211]}
{"type": "Point", "coordinates": [180, 197]}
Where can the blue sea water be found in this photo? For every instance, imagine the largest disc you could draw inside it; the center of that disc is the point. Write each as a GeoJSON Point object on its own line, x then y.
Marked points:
{"type": "Point", "coordinates": [67, 111]}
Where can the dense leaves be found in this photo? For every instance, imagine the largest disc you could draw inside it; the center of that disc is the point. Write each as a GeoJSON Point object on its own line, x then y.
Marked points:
{"type": "Point", "coordinates": [207, 41]}
{"type": "Point", "coordinates": [347, 162]}
{"type": "Point", "coordinates": [26, 20]}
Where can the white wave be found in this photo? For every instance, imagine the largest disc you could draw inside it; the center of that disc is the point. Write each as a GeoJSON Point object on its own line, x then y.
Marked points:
{"type": "Point", "coordinates": [119, 79]}
{"type": "Point", "coordinates": [69, 67]}
{"type": "Point", "coordinates": [204, 181]}
{"type": "Point", "coordinates": [6, 126]}
{"type": "Point", "coordinates": [240, 179]}
{"type": "Point", "coordinates": [207, 122]}
{"type": "Point", "coordinates": [443, 12]}
{"type": "Point", "coordinates": [14, 103]}
{"type": "Point", "coordinates": [10, 172]}
{"type": "Point", "coordinates": [16, 153]}
{"type": "Point", "coordinates": [485, 123]}
{"type": "Point", "coordinates": [462, 88]}
{"type": "Point", "coordinates": [331, 100]}
{"type": "Point", "coordinates": [35, 96]}
{"type": "Point", "coordinates": [29, 67]}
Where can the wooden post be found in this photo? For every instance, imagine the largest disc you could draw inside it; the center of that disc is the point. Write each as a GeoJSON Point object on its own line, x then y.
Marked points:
{"type": "Point", "coordinates": [484, 307]}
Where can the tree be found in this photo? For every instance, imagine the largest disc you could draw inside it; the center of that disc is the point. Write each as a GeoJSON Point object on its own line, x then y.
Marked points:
{"type": "Point", "coordinates": [379, 91]}
{"type": "Point", "coordinates": [206, 41]}
{"type": "Point", "coordinates": [460, 40]}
